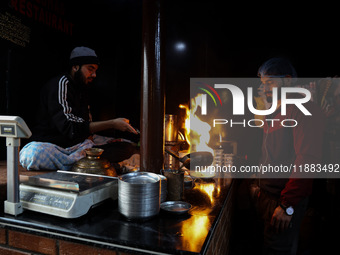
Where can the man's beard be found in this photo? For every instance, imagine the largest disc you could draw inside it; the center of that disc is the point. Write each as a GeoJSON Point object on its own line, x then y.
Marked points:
{"type": "Point", "coordinates": [80, 79]}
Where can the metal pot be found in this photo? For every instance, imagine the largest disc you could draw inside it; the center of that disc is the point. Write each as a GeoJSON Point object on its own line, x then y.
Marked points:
{"type": "Point", "coordinates": [92, 163]}
{"type": "Point", "coordinates": [175, 184]}
{"type": "Point", "coordinates": [139, 195]}
{"type": "Point", "coordinates": [164, 189]}
{"type": "Point", "coordinates": [170, 129]}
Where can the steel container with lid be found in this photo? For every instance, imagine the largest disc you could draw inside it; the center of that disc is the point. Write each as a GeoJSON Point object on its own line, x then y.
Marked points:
{"type": "Point", "coordinates": [139, 195]}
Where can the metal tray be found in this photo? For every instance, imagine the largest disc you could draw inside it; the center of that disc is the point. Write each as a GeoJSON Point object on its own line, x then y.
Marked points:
{"type": "Point", "coordinates": [176, 207]}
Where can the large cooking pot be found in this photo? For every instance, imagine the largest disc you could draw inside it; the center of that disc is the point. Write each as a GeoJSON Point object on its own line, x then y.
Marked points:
{"type": "Point", "coordinates": [139, 195]}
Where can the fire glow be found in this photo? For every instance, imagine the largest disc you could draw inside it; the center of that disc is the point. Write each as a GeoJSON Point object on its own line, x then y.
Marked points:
{"type": "Point", "coordinates": [195, 128]}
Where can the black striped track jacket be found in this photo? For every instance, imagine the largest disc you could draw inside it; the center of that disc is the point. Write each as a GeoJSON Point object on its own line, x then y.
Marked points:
{"type": "Point", "coordinates": [63, 115]}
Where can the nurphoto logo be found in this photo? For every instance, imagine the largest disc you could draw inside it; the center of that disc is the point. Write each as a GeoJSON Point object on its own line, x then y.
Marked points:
{"type": "Point", "coordinates": [236, 119]}
{"type": "Point", "coordinates": [243, 91]}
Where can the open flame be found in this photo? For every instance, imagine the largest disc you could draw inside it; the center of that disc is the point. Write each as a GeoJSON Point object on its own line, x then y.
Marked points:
{"type": "Point", "coordinates": [186, 123]}
{"type": "Point", "coordinates": [196, 131]}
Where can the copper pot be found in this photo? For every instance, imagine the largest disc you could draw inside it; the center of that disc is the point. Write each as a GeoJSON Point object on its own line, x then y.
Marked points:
{"type": "Point", "coordinates": [93, 164]}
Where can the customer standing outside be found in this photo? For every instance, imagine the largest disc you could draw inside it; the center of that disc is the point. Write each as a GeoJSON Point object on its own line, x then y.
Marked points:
{"type": "Point", "coordinates": [282, 202]}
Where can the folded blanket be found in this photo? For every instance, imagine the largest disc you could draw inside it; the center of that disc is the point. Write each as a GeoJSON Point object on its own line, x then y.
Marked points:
{"type": "Point", "coordinates": [48, 156]}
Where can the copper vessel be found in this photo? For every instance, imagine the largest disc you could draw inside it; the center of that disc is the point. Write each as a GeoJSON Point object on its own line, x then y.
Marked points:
{"type": "Point", "coordinates": [93, 164]}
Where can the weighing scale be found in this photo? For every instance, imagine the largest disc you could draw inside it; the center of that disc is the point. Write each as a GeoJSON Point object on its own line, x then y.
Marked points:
{"type": "Point", "coordinates": [61, 193]}
{"type": "Point", "coordinates": [66, 194]}
{"type": "Point", "coordinates": [13, 128]}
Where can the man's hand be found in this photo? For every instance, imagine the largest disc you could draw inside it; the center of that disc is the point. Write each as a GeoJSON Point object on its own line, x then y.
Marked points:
{"type": "Point", "coordinates": [280, 220]}
{"type": "Point", "coordinates": [122, 124]}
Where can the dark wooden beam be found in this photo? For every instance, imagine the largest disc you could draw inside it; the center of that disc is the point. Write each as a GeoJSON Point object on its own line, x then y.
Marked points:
{"type": "Point", "coordinates": [152, 92]}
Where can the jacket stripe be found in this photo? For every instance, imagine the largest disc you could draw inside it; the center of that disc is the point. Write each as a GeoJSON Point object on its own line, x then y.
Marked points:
{"type": "Point", "coordinates": [62, 99]}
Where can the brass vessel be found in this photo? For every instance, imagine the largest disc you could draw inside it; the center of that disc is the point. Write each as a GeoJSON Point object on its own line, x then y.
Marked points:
{"type": "Point", "coordinates": [93, 164]}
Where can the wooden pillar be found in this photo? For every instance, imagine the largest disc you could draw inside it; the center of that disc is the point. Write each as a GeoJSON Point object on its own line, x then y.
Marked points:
{"type": "Point", "coordinates": [152, 92]}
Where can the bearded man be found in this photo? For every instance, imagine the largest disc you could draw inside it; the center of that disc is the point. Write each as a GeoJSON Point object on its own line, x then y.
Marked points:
{"type": "Point", "coordinates": [64, 118]}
